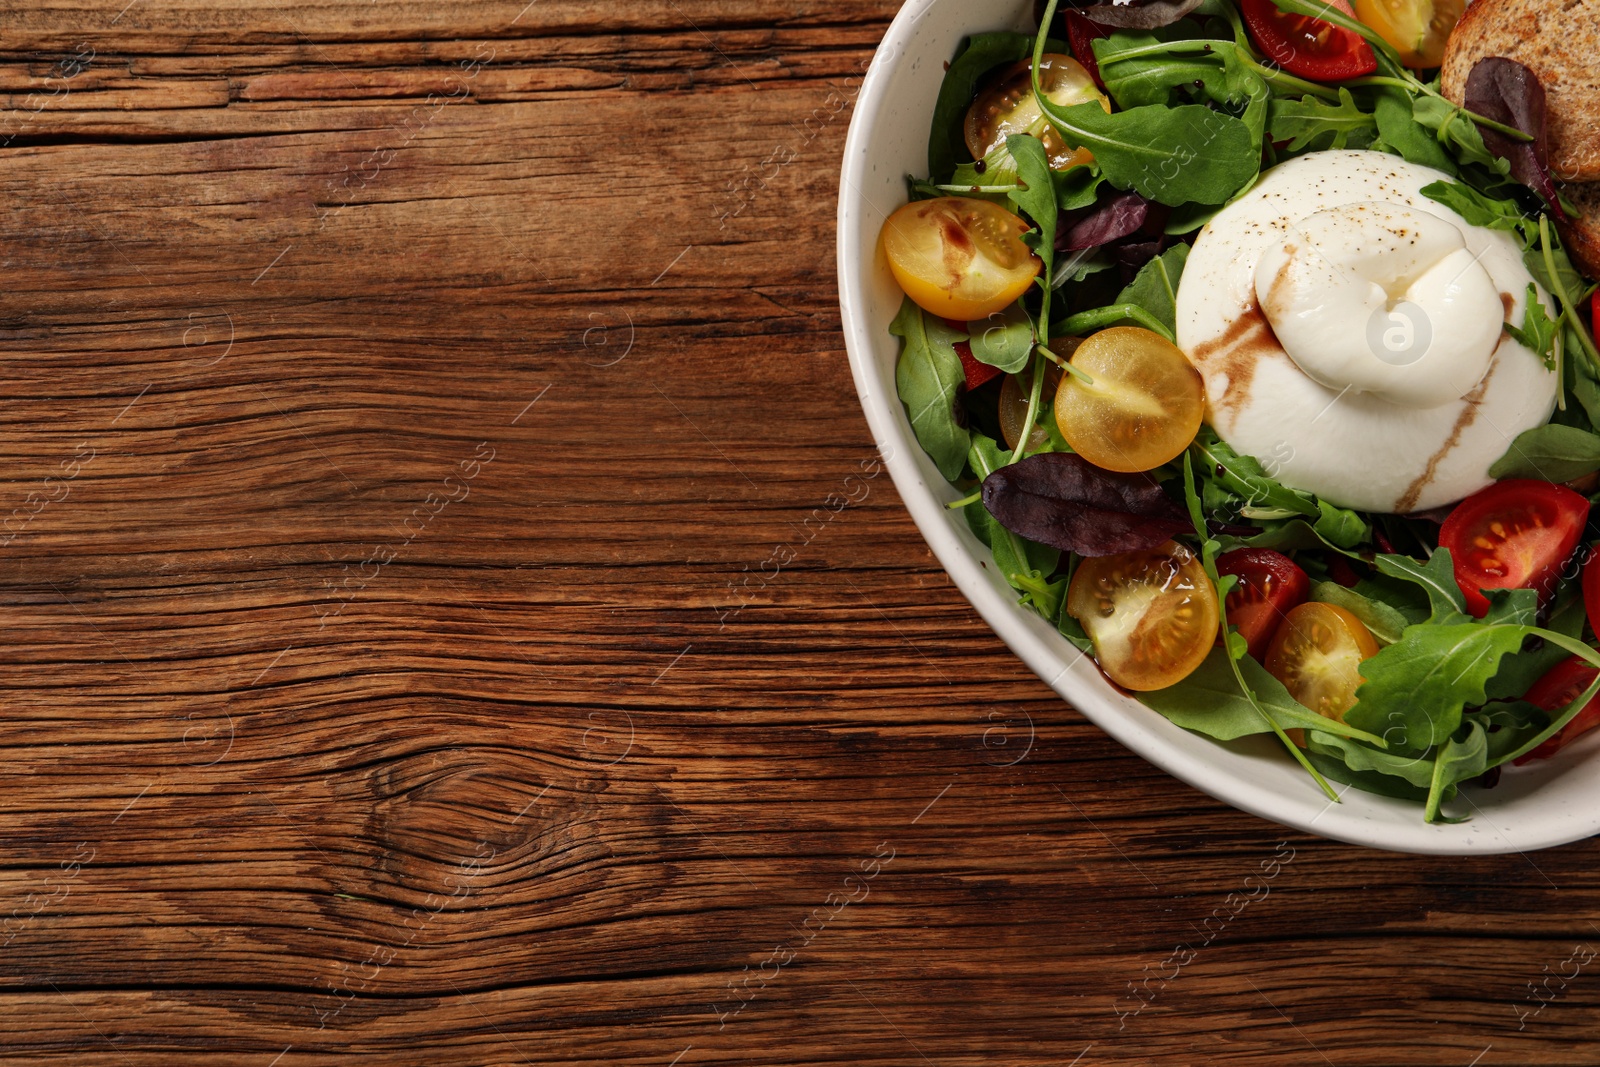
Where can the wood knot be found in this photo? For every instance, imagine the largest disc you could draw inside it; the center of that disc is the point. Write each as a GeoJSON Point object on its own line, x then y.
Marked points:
{"type": "Point", "coordinates": [456, 822]}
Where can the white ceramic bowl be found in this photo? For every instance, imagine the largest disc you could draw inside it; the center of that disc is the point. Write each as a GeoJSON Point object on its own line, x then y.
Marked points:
{"type": "Point", "coordinates": [1532, 807]}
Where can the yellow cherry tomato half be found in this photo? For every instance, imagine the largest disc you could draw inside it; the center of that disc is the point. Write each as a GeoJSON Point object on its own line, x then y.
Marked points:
{"type": "Point", "coordinates": [1008, 106]}
{"type": "Point", "coordinates": [1417, 29]}
{"type": "Point", "coordinates": [1144, 406]}
{"type": "Point", "coordinates": [1317, 654]}
{"type": "Point", "coordinates": [1152, 615]}
{"type": "Point", "coordinates": [959, 258]}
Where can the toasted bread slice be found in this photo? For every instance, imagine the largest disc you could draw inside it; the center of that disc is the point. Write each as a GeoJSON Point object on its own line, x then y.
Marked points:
{"type": "Point", "coordinates": [1559, 40]}
{"type": "Point", "coordinates": [1582, 235]}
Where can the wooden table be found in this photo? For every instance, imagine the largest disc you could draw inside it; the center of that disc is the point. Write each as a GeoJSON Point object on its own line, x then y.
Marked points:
{"type": "Point", "coordinates": [454, 614]}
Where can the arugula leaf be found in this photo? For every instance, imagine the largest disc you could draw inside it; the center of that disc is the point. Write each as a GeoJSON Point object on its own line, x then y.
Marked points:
{"type": "Point", "coordinates": [985, 456]}
{"type": "Point", "coordinates": [1341, 526]}
{"type": "Point", "coordinates": [1313, 123]}
{"type": "Point", "coordinates": [928, 377]}
{"type": "Point", "coordinates": [1245, 85]}
{"type": "Point", "coordinates": [1521, 669]}
{"type": "Point", "coordinates": [1407, 599]}
{"type": "Point", "coordinates": [1459, 759]}
{"type": "Point", "coordinates": [947, 145]}
{"type": "Point", "coordinates": [1245, 477]}
{"type": "Point", "coordinates": [1137, 72]}
{"type": "Point", "coordinates": [1209, 701]}
{"type": "Point", "coordinates": [1004, 339]}
{"type": "Point", "coordinates": [1416, 688]}
{"type": "Point", "coordinates": [1015, 557]}
{"type": "Point", "coordinates": [1456, 132]}
{"type": "Point", "coordinates": [1076, 187]}
{"type": "Point", "coordinates": [1551, 267]}
{"type": "Point", "coordinates": [1552, 452]}
{"type": "Point", "coordinates": [1073, 632]}
{"type": "Point", "coordinates": [1383, 619]}
{"type": "Point", "coordinates": [1538, 330]}
{"type": "Point", "coordinates": [1399, 131]}
{"type": "Point", "coordinates": [1565, 278]}
{"type": "Point", "coordinates": [1293, 535]}
{"type": "Point", "coordinates": [998, 169]}
{"type": "Point", "coordinates": [1519, 607]}
{"type": "Point", "coordinates": [1584, 383]}
{"type": "Point", "coordinates": [989, 182]}
{"type": "Point", "coordinates": [1037, 199]}
{"type": "Point", "coordinates": [1171, 155]}
{"type": "Point", "coordinates": [1141, 69]}
{"type": "Point", "coordinates": [1436, 577]}
{"type": "Point", "coordinates": [1190, 217]}
{"type": "Point", "coordinates": [1036, 192]}
{"type": "Point", "coordinates": [1155, 287]}
{"type": "Point", "coordinates": [1480, 210]}
{"type": "Point", "coordinates": [1508, 726]}
{"type": "Point", "coordinates": [1558, 720]}
{"type": "Point", "coordinates": [1367, 781]}
{"type": "Point", "coordinates": [1079, 265]}
{"type": "Point", "coordinates": [1417, 770]}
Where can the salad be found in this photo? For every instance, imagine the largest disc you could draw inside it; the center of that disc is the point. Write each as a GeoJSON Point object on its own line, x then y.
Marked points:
{"type": "Point", "coordinates": [1266, 378]}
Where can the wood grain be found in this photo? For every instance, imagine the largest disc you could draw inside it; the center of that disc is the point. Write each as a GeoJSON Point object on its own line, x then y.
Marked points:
{"type": "Point", "coordinates": [454, 615]}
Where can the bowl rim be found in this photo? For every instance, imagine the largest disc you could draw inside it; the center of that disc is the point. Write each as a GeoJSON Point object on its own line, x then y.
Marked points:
{"type": "Point", "coordinates": [1075, 679]}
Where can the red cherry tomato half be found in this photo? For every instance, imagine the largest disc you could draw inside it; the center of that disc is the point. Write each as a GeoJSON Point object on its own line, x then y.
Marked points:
{"type": "Point", "coordinates": [977, 372]}
{"type": "Point", "coordinates": [1082, 33]}
{"type": "Point", "coordinates": [1306, 46]}
{"type": "Point", "coordinates": [1270, 583]}
{"type": "Point", "coordinates": [1515, 534]}
{"type": "Point", "coordinates": [1591, 588]}
{"type": "Point", "coordinates": [1560, 686]}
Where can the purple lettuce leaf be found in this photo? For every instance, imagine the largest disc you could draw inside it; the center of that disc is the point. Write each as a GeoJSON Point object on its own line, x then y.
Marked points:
{"type": "Point", "coordinates": [1508, 92]}
{"type": "Point", "coordinates": [1062, 500]}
